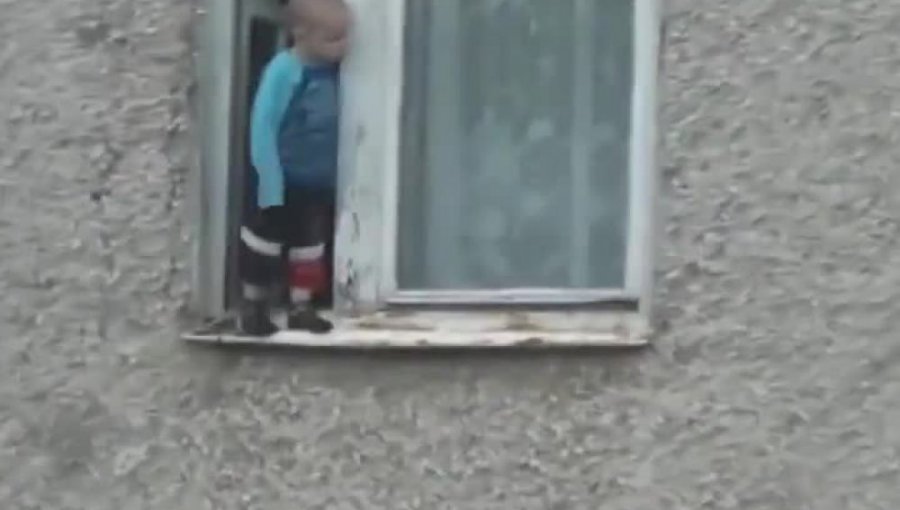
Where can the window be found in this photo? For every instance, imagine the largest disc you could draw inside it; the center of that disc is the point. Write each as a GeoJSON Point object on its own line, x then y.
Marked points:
{"type": "Point", "coordinates": [516, 175]}
{"type": "Point", "coordinates": [497, 169]}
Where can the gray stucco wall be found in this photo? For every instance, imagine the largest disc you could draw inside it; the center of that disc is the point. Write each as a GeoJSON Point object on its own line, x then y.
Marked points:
{"type": "Point", "coordinates": [774, 385]}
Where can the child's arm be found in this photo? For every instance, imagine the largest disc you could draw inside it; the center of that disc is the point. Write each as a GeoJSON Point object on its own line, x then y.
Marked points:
{"type": "Point", "coordinates": [269, 106]}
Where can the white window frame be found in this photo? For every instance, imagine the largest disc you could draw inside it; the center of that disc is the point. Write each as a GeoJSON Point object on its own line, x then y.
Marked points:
{"type": "Point", "coordinates": [218, 64]}
{"type": "Point", "coordinates": [373, 108]}
{"type": "Point", "coordinates": [637, 215]}
{"type": "Point", "coordinates": [215, 39]}
{"type": "Point", "coordinates": [370, 309]}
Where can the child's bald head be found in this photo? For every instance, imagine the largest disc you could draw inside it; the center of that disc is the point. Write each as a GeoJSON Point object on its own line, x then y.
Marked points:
{"type": "Point", "coordinates": [313, 9]}
{"type": "Point", "coordinates": [319, 28]}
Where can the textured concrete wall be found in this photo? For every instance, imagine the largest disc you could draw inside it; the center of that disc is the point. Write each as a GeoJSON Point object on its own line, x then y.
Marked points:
{"type": "Point", "coordinates": [775, 384]}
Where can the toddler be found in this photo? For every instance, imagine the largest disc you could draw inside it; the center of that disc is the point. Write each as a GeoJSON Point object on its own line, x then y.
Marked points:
{"type": "Point", "coordinates": [293, 146]}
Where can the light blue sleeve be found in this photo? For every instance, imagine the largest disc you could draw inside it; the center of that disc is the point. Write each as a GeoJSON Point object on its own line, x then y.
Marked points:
{"type": "Point", "coordinates": [269, 106]}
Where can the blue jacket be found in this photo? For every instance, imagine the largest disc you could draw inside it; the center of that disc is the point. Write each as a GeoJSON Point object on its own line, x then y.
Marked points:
{"type": "Point", "coordinates": [294, 128]}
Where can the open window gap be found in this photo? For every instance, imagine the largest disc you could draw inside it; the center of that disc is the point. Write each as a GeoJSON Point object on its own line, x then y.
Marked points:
{"type": "Point", "coordinates": [260, 36]}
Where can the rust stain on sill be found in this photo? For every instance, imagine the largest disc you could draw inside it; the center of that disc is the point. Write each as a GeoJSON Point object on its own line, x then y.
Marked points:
{"type": "Point", "coordinates": [520, 322]}
{"type": "Point", "coordinates": [397, 313]}
{"type": "Point", "coordinates": [377, 325]}
{"type": "Point", "coordinates": [621, 330]}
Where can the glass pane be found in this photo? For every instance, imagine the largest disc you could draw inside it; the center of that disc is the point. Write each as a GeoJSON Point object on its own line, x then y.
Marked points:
{"type": "Point", "coordinates": [516, 131]}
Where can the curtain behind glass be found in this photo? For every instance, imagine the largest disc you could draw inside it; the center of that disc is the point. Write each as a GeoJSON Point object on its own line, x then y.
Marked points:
{"type": "Point", "coordinates": [516, 132]}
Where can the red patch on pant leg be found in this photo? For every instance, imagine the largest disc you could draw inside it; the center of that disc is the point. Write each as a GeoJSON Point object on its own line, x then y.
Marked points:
{"type": "Point", "coordinates": [309, 275]}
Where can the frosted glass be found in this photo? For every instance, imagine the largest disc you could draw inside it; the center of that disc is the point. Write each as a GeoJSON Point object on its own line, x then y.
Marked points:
{"type": "Point", "coordinates": [515, 144]}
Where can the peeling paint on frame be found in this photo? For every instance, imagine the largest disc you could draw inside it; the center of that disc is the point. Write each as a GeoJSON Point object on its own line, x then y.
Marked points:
{"type": "Point", "coordinates": [371, 98]}
{"type": "Point", "coordinates": [371, 120]}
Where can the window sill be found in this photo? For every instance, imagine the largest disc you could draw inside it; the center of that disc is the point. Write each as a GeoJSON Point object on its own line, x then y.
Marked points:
{"type": "Point", "coordinates": [413, 330]}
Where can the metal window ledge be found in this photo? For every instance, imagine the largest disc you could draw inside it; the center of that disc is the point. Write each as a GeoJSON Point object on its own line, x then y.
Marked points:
{"type": "Point", "coordinates": [411, 330]}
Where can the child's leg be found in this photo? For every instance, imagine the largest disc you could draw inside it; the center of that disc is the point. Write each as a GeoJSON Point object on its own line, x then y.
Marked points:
{"type": "Point", "coordinates": [260, 263]}
{"type": "Point", "coordinates": [308, 275]}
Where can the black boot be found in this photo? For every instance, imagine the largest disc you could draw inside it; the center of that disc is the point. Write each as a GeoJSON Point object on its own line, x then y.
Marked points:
{"type": "Point", "coordinates": [255, 320]}
{"type": "Point", "coordinates": [307, 319]}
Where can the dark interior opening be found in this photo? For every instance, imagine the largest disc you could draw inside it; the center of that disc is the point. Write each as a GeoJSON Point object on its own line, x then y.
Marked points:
{"type": "Point", "coordinates": [263, 44]}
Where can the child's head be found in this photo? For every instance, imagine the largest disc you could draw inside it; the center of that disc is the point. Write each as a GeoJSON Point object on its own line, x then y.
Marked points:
{"type": "Point", "coordinates": [319, 28]}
